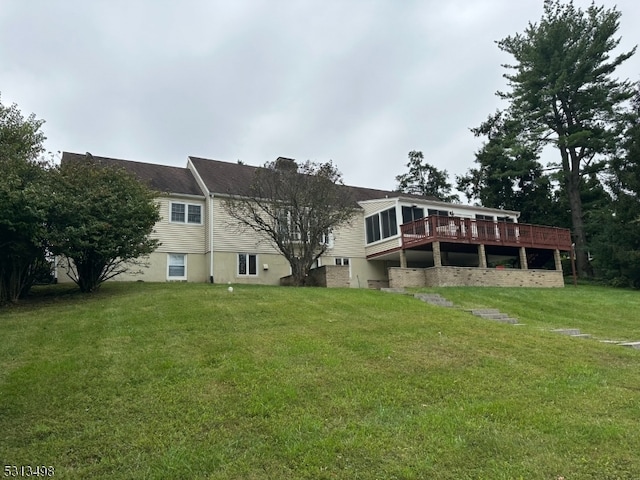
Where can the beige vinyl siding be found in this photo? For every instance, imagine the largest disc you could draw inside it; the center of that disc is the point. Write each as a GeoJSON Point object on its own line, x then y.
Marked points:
{"type": "Point", "coordinates": [373, 206]}
{"type": "Point", "coordinates": [225, 268]}
{"type": "Point", "coordinates": [349, 239]}
{"type": "Point", "coordinates": [179, 237]}
{"type": "Point", "coordinates": [229, 236]}
{"type": "Point", "coordinates": [383, 245]}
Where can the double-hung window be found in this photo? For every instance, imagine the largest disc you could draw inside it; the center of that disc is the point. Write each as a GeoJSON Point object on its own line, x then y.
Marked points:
{"type": "Point", "coordinates": [177, 266]}
{"type": "Point", "coordinates": [186, 213]}
{"type": "Point", "coordinates": [247, 264]}
{"type": "Point", "coordinates": [381, 225]}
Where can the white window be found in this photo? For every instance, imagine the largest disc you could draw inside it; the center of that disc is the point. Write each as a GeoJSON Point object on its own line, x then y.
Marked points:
{"type": "Point", "coordinates": [177, 266]}
{"type": "Point", "coordinates": [342, 261]}
{"type": "Point", "coordinates": [186, 213]}
{"type": "Point", "coordinates": [247, 264]}
{"type": "Point", "coordinates": [327, 239]}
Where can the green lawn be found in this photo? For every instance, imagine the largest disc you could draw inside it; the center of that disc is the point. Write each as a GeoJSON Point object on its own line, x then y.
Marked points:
{"type": "Point", "coordinates": [181, 381]}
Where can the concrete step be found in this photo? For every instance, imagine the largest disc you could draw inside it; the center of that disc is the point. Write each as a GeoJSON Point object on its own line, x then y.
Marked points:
{"type": "Point", "coordinates": [509, 320]}
{"type": "Point", "coordinates": [492, 316]}
{"type": "Point", "coordinates": [484, 311]}
{"type": "Point", "coordinates": [433, 299]}
{"type": "Point", "coordinates": [393, 290]}
{"type": "Point", "coordinates": [567, 331]}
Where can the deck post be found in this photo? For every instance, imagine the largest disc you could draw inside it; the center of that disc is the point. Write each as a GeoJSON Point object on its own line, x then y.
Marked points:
{"type": "Point", "coordinates": [523, 259]}
{"type": "Point", "coordinates": [437, 255]}
{"type": "Point", "coordinates": [403, 259]}
{"type": "Point", "coordinates": [482, 255]}
{"type": "Point", "coordinates": [556, 257]}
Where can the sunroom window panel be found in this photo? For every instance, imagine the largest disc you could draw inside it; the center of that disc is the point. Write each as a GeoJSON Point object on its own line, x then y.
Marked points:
{"type": "Point", "coordinates": [411, 214]}
{"type": "Point", "coordinates": [389, 224]}
{"type": "Point", "coordinates": [373, 228]}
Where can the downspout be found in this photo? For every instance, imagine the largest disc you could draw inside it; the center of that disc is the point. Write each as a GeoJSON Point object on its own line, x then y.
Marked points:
{"type": "Point", "coordinates": [211, 237]}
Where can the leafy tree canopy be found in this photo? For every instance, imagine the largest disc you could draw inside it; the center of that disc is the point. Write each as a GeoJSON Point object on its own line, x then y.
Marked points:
{"type": "Point", "coordinates": [425, 179]}
{"type": "Point", "coordinates": [563, 93]}
{"type": "Point", "coordinates": [101, 221]}
{"type": "Point", "coordinates": [23, 198]}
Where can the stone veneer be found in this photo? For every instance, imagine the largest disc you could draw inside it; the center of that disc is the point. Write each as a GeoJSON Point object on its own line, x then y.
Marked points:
{"type": "Point", "coordinates": [331, 276]}
{"type": "Point", "coordinates": [473, 277]}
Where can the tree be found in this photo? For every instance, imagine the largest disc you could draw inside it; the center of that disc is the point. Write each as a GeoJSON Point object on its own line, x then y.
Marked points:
{"type": "Point", "coordinates": [23, 198]}
{"type": "Point", "coordinates": [101, 221]}
{"type": "Point", "coordinates": [296, 207]}
{"type": "Point", "coordinates": [425, 179]}
{"type": "Point", "coordinates": [509, 174]}
{"type": "Point", "coordinates": [617, 239]}
{"type": "Point", "coordinates": [563, 94]}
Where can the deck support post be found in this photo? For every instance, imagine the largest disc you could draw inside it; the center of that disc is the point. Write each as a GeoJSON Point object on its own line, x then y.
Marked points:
{"type": "Point", "coordinates": [403, 258]}
{"type": "Point", "coordinates": [556, 258]}
{"type": "Point", "coordinates": [523, 259]}
{"type": "Point", "coordinates": [482, 255]}
{"type": "Point", "coordinates": [437, 255]}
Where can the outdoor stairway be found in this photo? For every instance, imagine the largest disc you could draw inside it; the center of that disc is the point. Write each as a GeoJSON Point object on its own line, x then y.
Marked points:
{"type": "Point", "coordinates": [497, 316]}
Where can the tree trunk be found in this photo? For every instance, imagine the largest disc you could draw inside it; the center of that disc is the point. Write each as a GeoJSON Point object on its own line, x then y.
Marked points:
{"type": "Point", "coordinates": [298, 273]}
{"type": "Point", "coordinates": [578, 233]}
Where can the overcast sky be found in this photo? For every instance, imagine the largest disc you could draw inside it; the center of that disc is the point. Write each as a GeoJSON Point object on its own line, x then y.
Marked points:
{"type": "Point", "coordinates": [359, 82]}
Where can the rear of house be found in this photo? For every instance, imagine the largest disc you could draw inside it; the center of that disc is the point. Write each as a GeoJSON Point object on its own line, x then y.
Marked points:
{"type": "Point", "coordinates": [392, 240]}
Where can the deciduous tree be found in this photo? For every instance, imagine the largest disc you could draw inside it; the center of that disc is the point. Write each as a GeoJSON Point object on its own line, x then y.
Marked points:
{"type": "Point", "coordinates": [23, 202]}
{"type": "Point", "coordinates": [101, 221]}
{"type": "Point", "coordinates": [296, 207]}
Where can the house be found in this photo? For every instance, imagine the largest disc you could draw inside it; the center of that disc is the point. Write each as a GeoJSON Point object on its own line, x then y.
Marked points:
{"type": "Point", "coordinates": [393, 240]}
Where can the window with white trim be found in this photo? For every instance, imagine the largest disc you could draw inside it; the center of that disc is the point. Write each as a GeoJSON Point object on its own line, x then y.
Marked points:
{"type": "Point", "coordinates": [186, 213]}
{"type": "Point", "coordinates": [381, 225]}
{"type": "Point", "coordinates": [247, 265]}
{"type": "Point", "coordinates": [342, 261]}
{"type": "Point", "coordinates": [177, 266]}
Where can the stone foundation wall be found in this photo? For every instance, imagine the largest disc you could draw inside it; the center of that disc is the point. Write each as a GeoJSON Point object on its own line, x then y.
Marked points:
{"type": "Point", "coordinates": [473, 277]}
{"type": "Point", "coordinates": [331, 276]}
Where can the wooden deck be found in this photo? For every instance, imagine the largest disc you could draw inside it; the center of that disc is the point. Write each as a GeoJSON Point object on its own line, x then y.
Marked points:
{"type": "Point", "coordinates": [466, 230]}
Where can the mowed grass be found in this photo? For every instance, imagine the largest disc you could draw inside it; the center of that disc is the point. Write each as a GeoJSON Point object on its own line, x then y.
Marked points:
{"type": "Point", "coordinates": [165, 381]}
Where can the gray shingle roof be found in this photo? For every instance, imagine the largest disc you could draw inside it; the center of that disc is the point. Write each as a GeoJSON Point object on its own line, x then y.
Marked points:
{"type": "Point", "coordinates": [161, 178]}
{"type": "Point", "coordinates": [235, 179]}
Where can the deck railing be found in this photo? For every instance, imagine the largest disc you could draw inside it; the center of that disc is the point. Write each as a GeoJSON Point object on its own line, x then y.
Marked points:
{"type": "Point", "coordinates": [467, 230]}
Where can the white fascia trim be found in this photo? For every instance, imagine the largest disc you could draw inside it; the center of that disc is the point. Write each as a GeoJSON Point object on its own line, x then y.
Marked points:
{"type": "Point", "coordinates": [457, 206]}
{"type": "Point", "coordinates": [185, 195]}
